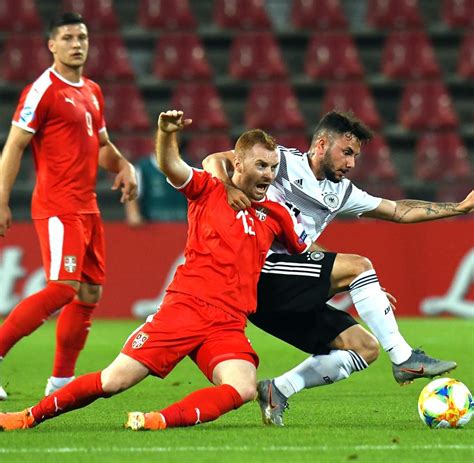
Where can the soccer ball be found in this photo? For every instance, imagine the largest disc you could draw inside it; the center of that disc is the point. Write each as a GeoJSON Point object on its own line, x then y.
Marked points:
{"type": "Point", "coordinates": [445, 403]}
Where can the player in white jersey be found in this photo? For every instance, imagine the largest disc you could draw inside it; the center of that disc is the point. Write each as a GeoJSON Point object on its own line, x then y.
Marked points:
{"type": "Point", "coordinates": [292, 292]}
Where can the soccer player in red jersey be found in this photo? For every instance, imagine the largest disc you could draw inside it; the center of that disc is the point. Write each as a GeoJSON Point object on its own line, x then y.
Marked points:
{"type": "Point", "coordinates": [62, 115]}
{"type": "Point", "coordinates": [205, 310]}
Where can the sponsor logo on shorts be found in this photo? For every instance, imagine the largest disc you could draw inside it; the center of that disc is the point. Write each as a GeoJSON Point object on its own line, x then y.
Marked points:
{"type": "Point", "coordinates": [331, 200]}
{"type": "Point", "coordinates": [139, 340]}
{"type": "Point", "coordinates": [316, 255]}
{"type": "Point", "coordinates": [261, 213]}
{"type": "Point", "coordinates": [70, 264]}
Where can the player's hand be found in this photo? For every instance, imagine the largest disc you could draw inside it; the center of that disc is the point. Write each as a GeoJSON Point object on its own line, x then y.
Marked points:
{"type": "Point", "coordinates": [236, 198]}
{"type": "Point", "coordinates": [5, 219]}
{"type": "Point", "coordinates": [391, 298]}
{"type": "Point", "coordinates": [172, 121]}
{"type": "Point", "coordinates": [467, 204]}
{"type": "Point", "coordinates": [126, 180]}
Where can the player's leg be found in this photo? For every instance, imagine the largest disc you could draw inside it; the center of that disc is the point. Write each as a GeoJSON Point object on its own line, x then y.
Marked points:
{"type": "Point", "coordinates": [123, 373]}
{"type": "Point", "coordinates": [74, 321]}
{"type": "Point", "coordinates": [357, 274]}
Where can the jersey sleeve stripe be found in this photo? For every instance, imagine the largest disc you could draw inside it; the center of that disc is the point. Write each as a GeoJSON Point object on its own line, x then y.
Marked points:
{"type": "Point", "coordinates": [24, 127]}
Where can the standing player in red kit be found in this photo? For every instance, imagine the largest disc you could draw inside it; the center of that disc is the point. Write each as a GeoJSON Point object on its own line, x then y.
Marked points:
{"type": "Point", "coordinates": [62, 115]}
{"type": "Point", "coordinates": [204, 312]}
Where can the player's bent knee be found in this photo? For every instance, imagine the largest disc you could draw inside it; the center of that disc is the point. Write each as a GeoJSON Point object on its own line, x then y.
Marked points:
{"type": "Point", "coordinates": [371, 348]}
{"type": "Point", "coordinates": [360, 265]}
{"type": "Point", "coordinates": [89, 294]}
{"type": "Point", "coordinates": [246, 390]}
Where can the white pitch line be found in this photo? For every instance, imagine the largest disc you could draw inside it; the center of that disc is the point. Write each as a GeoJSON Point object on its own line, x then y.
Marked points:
{"type": "Point", "coordinates": [232, 449]}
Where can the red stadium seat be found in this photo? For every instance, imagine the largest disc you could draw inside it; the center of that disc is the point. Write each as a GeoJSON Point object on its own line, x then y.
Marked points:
{"type": "Point", "coordinates": [466, 56]}
{"type": "Point", "coordinates": [19, 15]}
{"type": "Point", "coordinates": [24, 58]}
{"type": "Point", "coordinates": [409, 55]}
{"type": "Point", "coordinates": [442, 156]}
{"type": "Point", "coordinates": [256, 55]}
{"type": "Point", "coordinates": [108, 59]}
{"type": "Point", "coordinates": [99, 14]}
{"type": "Point", "coordinates": [355, 97]}
{"type": "Point", "coordinates": [124, 108]}
{"type": "Point", "coordinates": [273, 106]}
{"type": "Point", "coordinates": [388, 190]}
{"type": "Point", "coordinates": [135, 146]}
{"type": "Point", "coordinates": [453, 192]}
{"type": "Point", "coordinates": [425, 106]}
{"type": "Point", "coordinates": [332, 56]}
{"type": "Point", "coordinates": [180, 55]}
{"type": "Point", "coordinates": [204, 144]}
{"type": "Point", "coordinates": [241, 14]}
{"type": "Point", "coordinates": [458, 13]}
{"type": "Point", "coordinates": [201, 103]}
{"type": "Point", "coordinates": [165, 14]}
{"type": "Point", "coordinates": [375, 163]}
{"type": "Point", "coordinates": [318, 15]}
{"type": "Point", "coordinates": [297, 139]}
{"type": "Point", "coordinates": [394, 14]}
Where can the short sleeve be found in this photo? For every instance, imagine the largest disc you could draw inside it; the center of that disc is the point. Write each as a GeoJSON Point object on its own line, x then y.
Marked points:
{"type": "Point", "coordinates": [359, 201]}
{"type": "Point", "coordinates": [32, 109]}
{"type": "Point", "coordinates": [198, 184]}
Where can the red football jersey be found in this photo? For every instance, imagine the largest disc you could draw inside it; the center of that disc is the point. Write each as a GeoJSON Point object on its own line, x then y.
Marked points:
{"type": "Point", "coordinates": [225, 249]}
{"type": "Point", "coordinates": [66, 119]}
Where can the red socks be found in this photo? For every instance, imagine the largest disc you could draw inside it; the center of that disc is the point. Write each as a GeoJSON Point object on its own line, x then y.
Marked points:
{"type": "Point", "coordinates": [202, 406]}
{"type": "Point", "coordinates": [30, 313]}
{"type": "Point", "coordinates": [72, 329]}
{"type": "Point", "coordinates": [77, 394]}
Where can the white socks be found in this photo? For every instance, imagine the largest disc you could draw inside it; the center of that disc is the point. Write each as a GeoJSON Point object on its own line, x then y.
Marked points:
{"type": "Point", "coordinates": [374, 308]}
{"type": "Point", "coordinates": [319, 370]}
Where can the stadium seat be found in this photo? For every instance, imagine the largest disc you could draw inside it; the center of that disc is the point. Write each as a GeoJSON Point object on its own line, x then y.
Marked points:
{"type": "Point", "coordinates": [458, 13]}
{"type": "Point", "coordinates": [355, 97]}
{"type": "Point", "coordinates": [409, 55]}
{"type": "Point", "coordinates": [24, 58]}
{"type": "Point", "coordinates": [466, 56]}
{"type": "Point", "coordinates": [180, 55]}
{"type": "Point", "coordinates": [453, 192]}
{"type": "Point", "coordinates": [273, 106]}
{"type": "Point", "coordinates": [203, 144]}
{"type": "Point", "coordinates": [318, 15]}
{"type": "Point", "coordinates": [388, 190]}
{"type": "Point", "coordinates": [165, 14]}
{"type": "Point", "coordinates": [241, 14]}
{"type": "Point", "coordinates": [442, 156]}
{"type": "Point", "coordinates": [134, 147]}
{"type": "Point", "coordinates": [99, 14]}
{"type": "Point", "coordinates": [375, 163]}
{"type": "Point", "coordinates": [425, 106]}
{"type": "Point", "coordinates": [296, 139]}
{"type": "Point", "coordinates": [124, 108]}
{"type": "Point", "coordinates": [200, 102]}
{"type": "Point", "coordinates": [332, 56]}
{"type": "Point", "coordinates": [108, 59]}
{"type": "Point", "coordinates": [19, 16]}
{"type": "Point", "coordinates": [256, 55]}
{"type": "Point", "coordinates": [394, 14]}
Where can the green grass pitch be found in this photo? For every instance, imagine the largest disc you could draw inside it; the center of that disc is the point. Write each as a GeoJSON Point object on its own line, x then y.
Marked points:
{"type": "Point", "coordinates": [367, 418]}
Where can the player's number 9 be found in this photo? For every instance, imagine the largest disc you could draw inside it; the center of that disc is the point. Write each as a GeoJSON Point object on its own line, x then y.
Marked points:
{"type": "Point", "coordinates": [89, 123]}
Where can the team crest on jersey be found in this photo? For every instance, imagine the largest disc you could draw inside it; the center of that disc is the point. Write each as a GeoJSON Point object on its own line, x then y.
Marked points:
{"type": "Point", "coordinates": [331, 200]}
{"type": "Point", "coordinates": [139, 340]}
{"type": "Point", "coordinates": [95, 102]}
{"type": "Point", "coordinates": [261, 213]}
{"type": "Point", "coordinates": [316, 255]}
{"type": "Point", "coordinates": [70, 264]}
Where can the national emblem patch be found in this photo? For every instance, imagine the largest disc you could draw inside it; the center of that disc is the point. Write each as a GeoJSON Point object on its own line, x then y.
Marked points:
{"type": "Point", "coordinates": [139, 340]}
{"type": "Point", "coordinates": [70, 264]}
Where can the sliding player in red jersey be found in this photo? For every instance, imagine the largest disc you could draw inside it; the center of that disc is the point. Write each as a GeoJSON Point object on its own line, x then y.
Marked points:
{"type": "Point", "coordinates": [205, 310]}
{"type": "Point", "coordinates": [62, 115]}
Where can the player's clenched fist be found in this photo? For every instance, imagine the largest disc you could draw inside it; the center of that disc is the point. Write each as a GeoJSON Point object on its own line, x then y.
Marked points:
{"type": "Point", "coordinates": [172, 121]}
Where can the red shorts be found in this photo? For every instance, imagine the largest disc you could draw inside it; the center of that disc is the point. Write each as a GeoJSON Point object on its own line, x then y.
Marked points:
{"type": "Point", "coordinates": [186, 325]}
{"type": "Point", "coordinates": [73, 247]}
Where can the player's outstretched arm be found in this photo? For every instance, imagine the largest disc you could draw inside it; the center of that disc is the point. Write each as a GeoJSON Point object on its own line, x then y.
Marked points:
{"type": "Point", "coordinates": [220, 166]}
{"type": "Point", "coordinates": [111, 160]}
{"type": "Point", "coordinates": [17, 141]}
{"type": "Point", "coordinates": [167, 152]}
{"type": "Point", "coordinates": [413, 210]}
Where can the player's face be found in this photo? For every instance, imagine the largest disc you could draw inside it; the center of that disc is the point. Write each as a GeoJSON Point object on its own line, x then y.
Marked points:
{"type": "Point", "coordinates": [70, 45]}
{"type": "Point", "coordinates": [258, 170]}
{"type": "Point", "coordinates": [339, 158]}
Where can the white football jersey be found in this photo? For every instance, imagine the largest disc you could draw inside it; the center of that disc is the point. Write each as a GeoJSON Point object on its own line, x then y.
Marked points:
{"type": "Point", "coordinates": [315, 202]}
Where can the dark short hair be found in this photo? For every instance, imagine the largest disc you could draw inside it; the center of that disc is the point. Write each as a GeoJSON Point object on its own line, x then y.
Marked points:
{"type": "Point", "coordinates": [255, 137]}
{"type": "Point", "coordinates": [337, 122]}
{"type": "Point", "coordinates": [63, 20]}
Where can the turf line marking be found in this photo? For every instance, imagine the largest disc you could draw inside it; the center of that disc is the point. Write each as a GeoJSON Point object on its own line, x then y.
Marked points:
{"type": "Point", "coordinates": [53, 450]}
